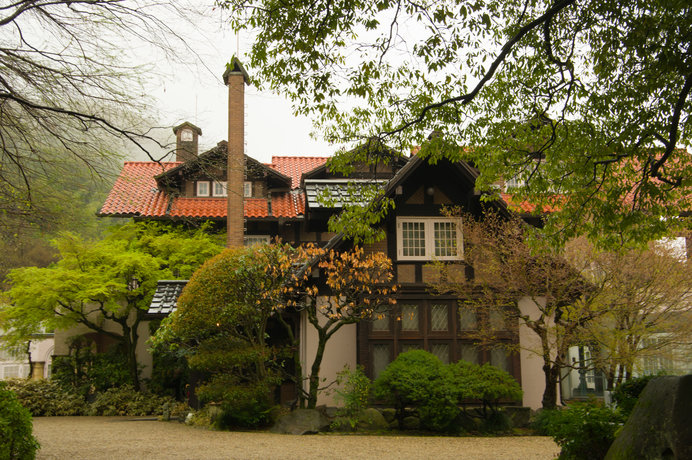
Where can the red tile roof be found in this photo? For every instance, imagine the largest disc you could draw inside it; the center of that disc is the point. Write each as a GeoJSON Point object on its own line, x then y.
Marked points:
{"type": "Point", "coordinates": [295, 167]}
{"type": "Point", "coordinates": [198, 207]}
{"type": "Point", "coordinates": [135, 193]}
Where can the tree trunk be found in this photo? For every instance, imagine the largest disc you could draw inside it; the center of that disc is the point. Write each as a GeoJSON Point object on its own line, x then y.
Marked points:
{"type": "Point", "coordinates": [551, 379]}
{"type": "Point", "coordinates": [315, 370]}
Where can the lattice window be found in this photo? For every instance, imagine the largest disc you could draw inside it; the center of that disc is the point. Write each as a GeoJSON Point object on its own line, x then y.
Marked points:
{"type": "Point", "coordinates": [469, 352]}
{"type": "Point", "coordinates": [409, 317]}
{"type": "Point", "coordinates": [499, 359]}
{"type": "Point", "coordinates": [381, 324]}
{"type": "Point", "coordinates": [441, 350]}
{"type": "Point", "coordinates": [468, 320]}
{"type": "Point", "coordinates": [381, 356]}
{"type": "Point", "coordinates": [439, 319]}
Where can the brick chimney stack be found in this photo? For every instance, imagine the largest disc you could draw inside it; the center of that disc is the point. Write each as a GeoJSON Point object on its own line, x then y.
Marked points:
{"type": "Point", "coordinates": [236, 78]}
{"type": "Point", "coordinates": [186, 141]}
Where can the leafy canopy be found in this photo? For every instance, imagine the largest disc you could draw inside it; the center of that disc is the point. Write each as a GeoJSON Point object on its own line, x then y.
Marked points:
{"type": "Point", "coordinates": [585, 99]}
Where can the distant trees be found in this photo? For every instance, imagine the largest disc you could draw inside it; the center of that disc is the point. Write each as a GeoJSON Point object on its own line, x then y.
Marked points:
{"type": "Point", "coordinates": [112, 280]}
{"type": "Point", "coordinates": [71, 90]}
{"type": "Point", "coordinates": [645, 297]}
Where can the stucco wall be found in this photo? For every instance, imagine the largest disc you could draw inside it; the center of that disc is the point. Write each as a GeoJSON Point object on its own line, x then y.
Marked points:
{"type": "Point", "coordinates": [532, 376]}
{"type": "Point", "coordinates": [340, 351]}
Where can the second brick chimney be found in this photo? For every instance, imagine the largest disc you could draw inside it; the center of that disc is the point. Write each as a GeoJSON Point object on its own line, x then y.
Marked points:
{"type": "Point", "coordinates": [186, 141]}
{"type": "Point", "coordinates": [236, 78]}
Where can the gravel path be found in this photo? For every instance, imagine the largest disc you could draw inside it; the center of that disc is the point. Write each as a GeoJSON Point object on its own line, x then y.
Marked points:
{"type": "Point", "coordinates": [124, 438]}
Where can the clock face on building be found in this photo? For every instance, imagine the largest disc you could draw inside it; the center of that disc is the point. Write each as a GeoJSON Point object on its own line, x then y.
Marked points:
{"type": "Point", "coordinates": [186, 135]}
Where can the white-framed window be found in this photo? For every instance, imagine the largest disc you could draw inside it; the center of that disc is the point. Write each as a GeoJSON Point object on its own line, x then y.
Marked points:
{"type": "Point", "coordinates": [202, 188]}
{"type": "Point", "coordinates": [247, 189]}
{"type": "Point", "coordinates": [428, 238]}
{"type": "Point", "coordinates": [219, 188]}
{"type": "Point", "coordinates": [251, 240]}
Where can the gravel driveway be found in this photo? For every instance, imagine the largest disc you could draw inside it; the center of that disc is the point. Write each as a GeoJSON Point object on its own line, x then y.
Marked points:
{"type": "Point", "coordinates": [123, 438]}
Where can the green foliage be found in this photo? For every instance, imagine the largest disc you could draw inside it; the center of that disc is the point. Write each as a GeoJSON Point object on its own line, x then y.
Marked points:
{"type": "Point", "coordinates": [626, 394]}
{"type": "Point", "coordinates": [583, 430]}
{"type": "Point", "coordinates": [354, 392]}
{"type": "Point", "coordinates": [16, 440]}
{"type": "Point", "coordinates": [589, 100]}
{"type": "Point", "coordinates": [126, 401]}
{"type": "Point", "coordinates": [420, 380]}
{"type": "Point", "coordinates": [111, 279]}
{"type": "Point", "coordinates": [220, 327]}
{"type": "Point", "coordinates": [85, 372]}
{"type": "Point", "coordinates": [48, 398]}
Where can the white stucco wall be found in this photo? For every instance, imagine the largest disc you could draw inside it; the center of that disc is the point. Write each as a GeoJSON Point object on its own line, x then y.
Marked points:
{"type": "Point", "coordinates": [532, 375]}
{"type": "Point", "coordinates": [340, 351]}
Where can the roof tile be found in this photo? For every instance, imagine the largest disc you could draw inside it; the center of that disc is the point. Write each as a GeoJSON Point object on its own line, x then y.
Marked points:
{"type": "Point", "coordinates": [295, 167]}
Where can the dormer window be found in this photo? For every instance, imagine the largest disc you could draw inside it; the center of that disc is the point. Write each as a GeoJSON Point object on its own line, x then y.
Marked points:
{"type": "Point", "coordinates": [220, 188]}
{"type": "Point", "coordinates": [247, 189]}
{"type": "Point", "coordinates": [203, 188]}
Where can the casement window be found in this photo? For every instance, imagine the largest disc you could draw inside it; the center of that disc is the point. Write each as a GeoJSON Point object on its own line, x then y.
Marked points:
{"type": "Point", "coordinates": [252, 240]}
{"type": "Point", "coordinates": [247, 189]}
{"type": "Point", "coordinates": [443, 327]}
{"type": "Point", "coordinates": [203, 188]}
{"type": "Point", "coordinates": [220, 189]}
{"type": "Point", "coordinates": [429, 238]}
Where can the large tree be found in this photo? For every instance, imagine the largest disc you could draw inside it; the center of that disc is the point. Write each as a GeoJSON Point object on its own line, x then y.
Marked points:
{"type": "Point", "coordinates": [71, 88]}
{"type": "Point", "coordinates": [112, 280]}
{"type": "Point", "coordinates": [513, 286]}
{"type": "Point", "coordinates": [583, 99]}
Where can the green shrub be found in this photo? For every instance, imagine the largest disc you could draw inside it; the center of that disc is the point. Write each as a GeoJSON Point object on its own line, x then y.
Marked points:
{"type": "Point", "coordinates": [85, 372]}
{"type": "Point", "coordinates": [126, 401]}
{"type": "Point", "coordinates": [626, 394]}
{"type": "Point", "coordinates": [354, 393]}
{"type": "Point", "coordinates": [420, 380]}
{"type": "Point", "coordinates": [489, 385]}
{"type": "Point", "coordinates": [583, 430]}
{"type": "Point", "coordinates": [16, 440]}
{"type": "Point", "coordinates": [45, 397]}
{"type": "Point", "coordinates": [244, 405]}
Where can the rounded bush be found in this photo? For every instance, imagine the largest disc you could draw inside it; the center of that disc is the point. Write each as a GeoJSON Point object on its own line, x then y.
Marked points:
{"type": "Point", "coordinates": [419, 379]}
{"type": "Point", "coordinates": [16, 439]}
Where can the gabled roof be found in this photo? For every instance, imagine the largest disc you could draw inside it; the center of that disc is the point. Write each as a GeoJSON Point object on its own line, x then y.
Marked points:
{"type": "Point", "coordinates": [139, 189]}
{"type": "Point", "coordinates": [135, 192]}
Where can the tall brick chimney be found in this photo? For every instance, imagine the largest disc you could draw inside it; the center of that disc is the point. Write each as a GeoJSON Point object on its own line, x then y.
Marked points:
{"type": "Point", "coordinates": [186, 141]}
{"type": "Point", "coordinates": [236, 78]}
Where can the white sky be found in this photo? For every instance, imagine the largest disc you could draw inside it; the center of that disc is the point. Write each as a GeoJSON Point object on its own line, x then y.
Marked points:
{"type": "Point", "coordinates": [195, 92]}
